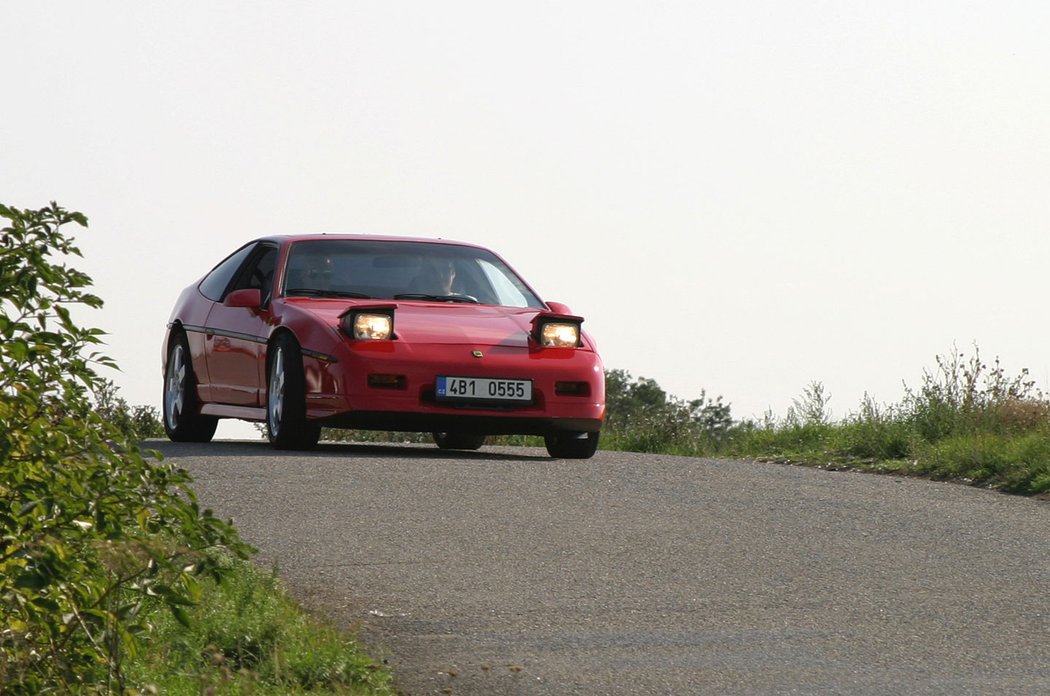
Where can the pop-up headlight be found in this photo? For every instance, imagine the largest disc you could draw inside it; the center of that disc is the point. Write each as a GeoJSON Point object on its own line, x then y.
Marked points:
{"type": "Point", "coordinates": [554, 334]}
{"type": "Point", "coordinates": [557, 330]}
{"type": "Point", "coordinates": [369, 325]}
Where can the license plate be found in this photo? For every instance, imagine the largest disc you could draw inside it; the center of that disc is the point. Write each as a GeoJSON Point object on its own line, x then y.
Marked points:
{"type": "Point", "coordinates": [484, 389]}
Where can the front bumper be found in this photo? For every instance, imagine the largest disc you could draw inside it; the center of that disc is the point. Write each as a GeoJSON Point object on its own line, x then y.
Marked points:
{"type": "Point", "coordinates": [341, 394]}
{"type": "Point", "coordinates": [474, 423]}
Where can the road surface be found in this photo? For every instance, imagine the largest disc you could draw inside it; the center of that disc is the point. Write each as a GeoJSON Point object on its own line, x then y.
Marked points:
{"type": "Point", "coordinates": [505, 572]}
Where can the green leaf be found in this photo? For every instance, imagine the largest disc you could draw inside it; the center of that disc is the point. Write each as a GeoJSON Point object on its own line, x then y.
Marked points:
{"type": "Point", "coordinates": [31, 580]}
{"type": "Point", "coordinates": [18, 349]}
{"type": "Point", "coordinates": [46, 604]}
{"type": "Point", "coordinates": [180, 614]}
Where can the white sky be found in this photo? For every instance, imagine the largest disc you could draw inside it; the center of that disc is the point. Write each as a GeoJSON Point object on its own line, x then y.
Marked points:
{"type": "Point", "coordinates": [739, 197]}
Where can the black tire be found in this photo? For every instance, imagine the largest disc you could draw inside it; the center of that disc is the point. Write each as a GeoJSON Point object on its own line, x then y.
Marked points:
{"type": "Point", "coordinates": [286, 425]}
{"type": "Point", "coordinates": [458, 441]}
{"type": "Point", "coordinates": [183, 421]}
{"type": "Point", "coordinates": [571, 445]}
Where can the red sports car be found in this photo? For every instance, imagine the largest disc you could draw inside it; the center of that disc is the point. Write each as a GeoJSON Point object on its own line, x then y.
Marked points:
{"type": "Point", "coordinates": [381, 333]}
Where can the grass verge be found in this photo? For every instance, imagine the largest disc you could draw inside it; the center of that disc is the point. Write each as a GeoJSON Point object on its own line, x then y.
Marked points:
{"type": "Point", "coordinates": [246, 636]}
{"type": "Point", "coordinates": [967, 422]}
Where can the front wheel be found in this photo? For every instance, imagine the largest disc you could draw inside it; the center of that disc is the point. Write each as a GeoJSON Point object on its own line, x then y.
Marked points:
{"type": "Point", "coordinates": [286, 425]}
{"type": "Point", "coordinates": [571, 445]}
{"type": "Point", "coordinates": [182, 419]}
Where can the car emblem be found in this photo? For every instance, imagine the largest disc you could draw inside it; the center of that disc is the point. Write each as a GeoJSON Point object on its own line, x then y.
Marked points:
{"type": "Point", "coordinates": [478, 354]}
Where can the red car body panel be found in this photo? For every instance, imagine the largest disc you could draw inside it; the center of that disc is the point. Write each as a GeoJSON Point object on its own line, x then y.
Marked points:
{"type": "Point", "coordinates": [228, 346]}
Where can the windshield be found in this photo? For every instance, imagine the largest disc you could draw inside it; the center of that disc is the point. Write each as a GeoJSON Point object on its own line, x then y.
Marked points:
{"type": "Point", "coordinates": [403, 270]}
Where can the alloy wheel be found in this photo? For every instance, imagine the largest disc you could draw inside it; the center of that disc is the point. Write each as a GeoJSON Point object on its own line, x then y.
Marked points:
{"type": "Point", "coordinates": [175, 394]}
{"type": "Point", "coordinates": [275, 402]}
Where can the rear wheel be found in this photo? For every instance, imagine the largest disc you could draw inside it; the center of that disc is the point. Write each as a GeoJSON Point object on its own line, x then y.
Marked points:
{"type": "Point", "coordinates": [286, 423]}
{"type": "Point", "coordinates": [571, 445]}
{"type": "Point", "coordinates": [458, 441]}
{"type": "Point", "coordinates": [182, 419]}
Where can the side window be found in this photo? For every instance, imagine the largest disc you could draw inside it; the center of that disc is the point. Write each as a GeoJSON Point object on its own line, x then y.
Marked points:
{"type": "Point", "coordinates": [258, 272]}
{"type": "Point", "coordinates": [215, 284]}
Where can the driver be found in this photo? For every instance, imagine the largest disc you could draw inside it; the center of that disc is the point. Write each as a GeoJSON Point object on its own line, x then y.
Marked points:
{"type": "Point", "coordinates": [436, 278]}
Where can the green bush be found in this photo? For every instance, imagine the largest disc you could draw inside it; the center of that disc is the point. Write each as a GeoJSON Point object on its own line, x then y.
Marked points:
{"type": "Point", "coordinates": [93, 533]}
{"type": "Point", "coordinates": [134, 423]}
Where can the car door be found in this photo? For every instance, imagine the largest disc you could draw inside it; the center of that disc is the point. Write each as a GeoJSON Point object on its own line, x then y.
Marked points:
{"type": "Point", "coordinates": [236, 336]}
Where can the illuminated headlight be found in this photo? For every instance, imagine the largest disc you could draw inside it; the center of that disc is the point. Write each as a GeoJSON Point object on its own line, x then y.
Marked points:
{"type": "Point", "coordinates": [555, 334]}
{"type": "Point", "coordinates": [369, 326]}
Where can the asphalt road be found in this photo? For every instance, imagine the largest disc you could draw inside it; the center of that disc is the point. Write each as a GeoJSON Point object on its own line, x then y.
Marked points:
{"type": "Point", "coordinates": [505, 572]}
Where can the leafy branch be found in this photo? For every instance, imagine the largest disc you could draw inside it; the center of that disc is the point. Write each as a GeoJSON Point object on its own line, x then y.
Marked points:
{"type": "Point", "coordinates": [92, 528]}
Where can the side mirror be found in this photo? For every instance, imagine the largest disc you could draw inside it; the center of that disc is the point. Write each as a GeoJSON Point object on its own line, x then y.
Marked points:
{"type": "Point", "coordinates": [559, 308]}
{"type": "Point", "coordinates": [250, 298]}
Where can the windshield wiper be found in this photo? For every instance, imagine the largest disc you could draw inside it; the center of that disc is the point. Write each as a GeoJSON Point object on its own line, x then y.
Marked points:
{"type": "Point", "coordinates": [314, 292]}
{"type": "Point", "coordinates": [436, 298]}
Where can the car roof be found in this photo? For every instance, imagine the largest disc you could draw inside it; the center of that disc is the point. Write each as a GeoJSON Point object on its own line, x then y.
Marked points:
{"type": "Point", "coordinates": [287, 238]}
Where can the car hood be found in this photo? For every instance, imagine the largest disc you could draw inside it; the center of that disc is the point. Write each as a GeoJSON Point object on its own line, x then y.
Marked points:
{"type": "Point", "coordinates": [442, 323]}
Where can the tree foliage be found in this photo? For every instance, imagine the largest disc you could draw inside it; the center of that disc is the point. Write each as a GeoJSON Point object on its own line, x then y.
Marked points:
{"type": "Point", "coordinates": [641, 417]}
{"type": "Point", "coordinates": [93, 531]}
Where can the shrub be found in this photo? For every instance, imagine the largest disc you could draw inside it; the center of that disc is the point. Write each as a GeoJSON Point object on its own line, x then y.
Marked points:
{"type": "Point", "coordinates": [134, 423]}
{"type": "Point", "coordinates": [92, 531]}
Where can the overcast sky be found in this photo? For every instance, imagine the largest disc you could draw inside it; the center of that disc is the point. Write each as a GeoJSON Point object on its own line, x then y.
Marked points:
{"type": "Point", "coordinates": [739, 197]}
